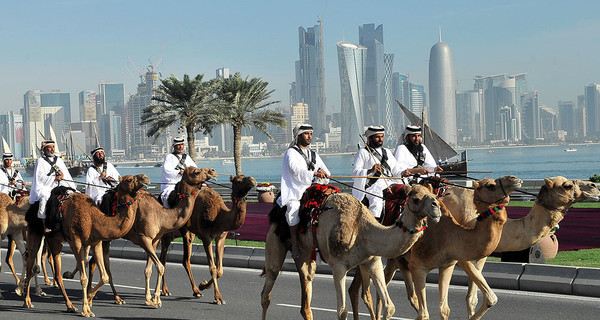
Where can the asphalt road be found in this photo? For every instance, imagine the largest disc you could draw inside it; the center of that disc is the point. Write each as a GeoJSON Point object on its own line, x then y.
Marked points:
{"type": "Point", "coordinates": [241, 290]}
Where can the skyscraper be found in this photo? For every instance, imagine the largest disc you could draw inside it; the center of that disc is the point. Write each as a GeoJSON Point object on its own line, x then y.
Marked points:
{"type": "Point", "coordinates": [592, 106]}
{"type": "Point", "coordinates": [566, 116]}
{"type": "Point", "coordinates": [87, 105]}
{"type": "Point", "coordinates": [442, 100]}
{"type": "Point", "coordinates": [310, 85]}
{"type": "Point", "coordinates": [391, 110]}
{"type": "Point", "coordinates": [352, 66]}
{"type": "Point", "coordinates": [371, 37]}
{"type": "Point", "coordinates": [111, 97]}
{"type": "Point", "coordinates": [531, 127]}
{"type": "Point", "coordinates": [138, 142]}
{"type": "Point", "coordinates": [468, 116]}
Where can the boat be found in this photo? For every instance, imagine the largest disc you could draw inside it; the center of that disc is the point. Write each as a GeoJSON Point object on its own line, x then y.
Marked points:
{"type": "Point", "coordinates": [227, 161]}
{"type": "Point", "coordinates": [75, 167]}
{"type": "Point", "coordinates": [439, 148]}
{"type": "Point", "coordinates": [158, 165]}
{"type": "Point", "coordinates": [570, 149]}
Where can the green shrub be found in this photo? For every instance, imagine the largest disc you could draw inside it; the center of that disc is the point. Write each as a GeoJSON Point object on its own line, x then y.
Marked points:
{"type": "Point", "coordinates": [595, 178]}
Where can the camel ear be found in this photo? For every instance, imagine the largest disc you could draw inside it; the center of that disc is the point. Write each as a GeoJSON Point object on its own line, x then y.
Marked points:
{"type": "Point", "coordinates": [475, 184]}
{"type": "Point", "coordinates": [231, 178]}
{"type": "Point", "coordinates": [120, 178]}
{"type": "Point", "coordinates": [548, 182]}
{"type": "Point", "coordinates": [430, 187]}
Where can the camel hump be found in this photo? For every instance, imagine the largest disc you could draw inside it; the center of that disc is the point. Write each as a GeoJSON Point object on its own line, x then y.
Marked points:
{"type": "Point", "coordinates": [54, 215]}
{"type": "Point", "coordinates": [348, 213]}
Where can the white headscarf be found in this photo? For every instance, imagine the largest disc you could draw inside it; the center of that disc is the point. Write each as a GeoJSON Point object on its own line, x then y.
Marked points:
{"type": "Point", "coordinates": [372, 130]}
{"type": "Point", "coordinates": [298, 130]}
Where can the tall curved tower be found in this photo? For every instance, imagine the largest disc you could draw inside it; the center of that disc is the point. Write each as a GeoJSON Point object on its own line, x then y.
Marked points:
{"type": "Point", "coordinates": [442, 99]}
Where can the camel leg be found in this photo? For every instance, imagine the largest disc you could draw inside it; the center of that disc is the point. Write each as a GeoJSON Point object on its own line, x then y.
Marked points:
{"type": "Point", "coordinates": [34, 241]}
{"type": "Point", "coordinates": [81, 254]}
{"type": "Point", "coordinates": [444, 277]}
{"type": "Point", "coordinates": [188, 239]}
{"type": "Point", "coordinates": [149, 247]}
{"type": "Point", "coordinates": [10, 251]}
{"type": "Point", "coordinates": [489, 297]}
{"type": "Point", "coordinates": [274, 256]}
{"type": "Point", "coordinates": [374, 267]}
{"type": "Point", "coordinates": [419, 280]}
{"type": "Point", "coordinates": [165, 242]}
{"type": "Point", "coordinates": [54, 250]}
{"type": "Point", "coordinates": [42, 258]}
{"type": "Point", "coordinates": [217, 271]}
{"type": "Point", "coordinates": [306, 271]}
{"type": "Point", "coordinates": [339, 281]}
{"type": "Point", "coordinates": [106, 255]}
{"type": "Point", "coordinates": [20, 245]}
{"type": "Point", "coordinates": [472, 291]}
{"type": "Point", "coordinates": [218, 299]}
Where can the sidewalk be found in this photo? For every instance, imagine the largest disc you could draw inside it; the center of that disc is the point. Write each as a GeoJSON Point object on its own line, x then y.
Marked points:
{"type": "Point", "coordinates": [503, 275]}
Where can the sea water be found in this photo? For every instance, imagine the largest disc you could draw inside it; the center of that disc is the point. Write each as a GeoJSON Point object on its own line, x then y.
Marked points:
{"type": "Point", "coordinates": [525, 162]}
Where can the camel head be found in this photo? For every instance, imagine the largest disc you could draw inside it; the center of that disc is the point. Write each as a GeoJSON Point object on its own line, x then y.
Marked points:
{"type": "Point", "coordinates": [490, 193]}
{"type": "Point", "coordinates": [423, 203]}
{"type": "Point", "coordinates": [131, 184]}
{"type": "Point", "coordinates": [197, 176]}
{"type": "Point", "coordinates": [588, 191]}
{"type": "Point", "coordinates": [240, 185]}
{"type": "Point", "coordinates": [558, 193]}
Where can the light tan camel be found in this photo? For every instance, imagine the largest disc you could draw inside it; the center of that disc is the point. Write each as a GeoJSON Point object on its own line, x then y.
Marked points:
{"type": "Point", "coordinates": [14, 226]}
{"type": "Point", "coordinates": [448, 243]}
{"type": "Point", "coordinates": [349, 236]}
{"type": "Point", "coordinates": [555, 197]}
{"type": "Point", "coordinates": [84, 226]}
{"type": "Point", "coordinates": [152, 221]}
{"type": "Point", "coordinates": [210, 221]}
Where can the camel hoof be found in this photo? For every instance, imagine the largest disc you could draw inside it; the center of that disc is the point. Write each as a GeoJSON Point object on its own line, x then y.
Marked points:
{"type": "Point", "coordinates": [198, 294]}
{"type": "Point", "coordinates": [119, 300]}
{"type": "Point", "coordinates": [66, 275]}
{"type": "Point", "coordinates": [88, 314]}
{"type": "Point", "coordinates": [40, 293]}
{"type": "Point", "coordinates": [219, 301]}
{"type": "Point", "coordinates": [18, 291]}
{"type": "Point", "coordinates": [49, 283]}
{"type": "Point", "coordinates": [71, 309]}
{"type": "Point", "coordinates": [165, 293]}
{"type": "Point", "coordinates": [27, 305]}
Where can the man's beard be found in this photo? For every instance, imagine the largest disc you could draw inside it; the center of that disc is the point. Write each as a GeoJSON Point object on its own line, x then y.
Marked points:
{"type": "Point", "coordinates": [375, 144]}
{"type": "Point", "coordinates": [49, 154]}
{"type": "Point", "coordinates": [99, 162]}
{"type": "Point", "coordinates": [414, 148]}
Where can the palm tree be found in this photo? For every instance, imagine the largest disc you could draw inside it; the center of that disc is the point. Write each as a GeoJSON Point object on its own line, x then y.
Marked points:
{"type": "Point", "coordinates": [188, 102]}
{"type": "Point", "coordinates": [242, 101]}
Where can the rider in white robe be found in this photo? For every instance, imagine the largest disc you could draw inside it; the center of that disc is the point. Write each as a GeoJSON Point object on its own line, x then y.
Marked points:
{"type": "Point", "coordinates": [101, 176]}
{"type": "Point", "coordinates": [172, 169]}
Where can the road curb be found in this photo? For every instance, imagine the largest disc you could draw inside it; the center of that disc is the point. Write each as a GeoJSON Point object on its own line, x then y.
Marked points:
{"type": "Point", "coordinates": [502, 275]}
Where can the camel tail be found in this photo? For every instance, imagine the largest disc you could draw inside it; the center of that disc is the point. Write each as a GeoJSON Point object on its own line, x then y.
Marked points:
{"type": "Point", "coordinates": [263, 273]}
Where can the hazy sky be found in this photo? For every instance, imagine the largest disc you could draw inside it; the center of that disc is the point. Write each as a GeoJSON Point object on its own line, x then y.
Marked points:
{"type": "Point", "coordinates": [71, 45]}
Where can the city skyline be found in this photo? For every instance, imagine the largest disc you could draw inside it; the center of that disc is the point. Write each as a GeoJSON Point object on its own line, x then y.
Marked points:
{"type": "Point", "coordinates": [72, 46]}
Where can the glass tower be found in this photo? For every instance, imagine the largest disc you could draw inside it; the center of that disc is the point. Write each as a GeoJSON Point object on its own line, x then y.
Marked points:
{"type": "Point", "coordinates": [352, 65]}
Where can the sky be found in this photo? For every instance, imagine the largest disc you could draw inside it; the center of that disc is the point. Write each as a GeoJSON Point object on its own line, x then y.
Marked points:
{"type": "Point", "coordinates": [72, 45]}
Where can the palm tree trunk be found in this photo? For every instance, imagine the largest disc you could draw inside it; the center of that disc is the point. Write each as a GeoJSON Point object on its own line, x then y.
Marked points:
{"type": "Point", "coordinates": [191, 139]}
{"type": "Point", "coordinates": [237, 149]}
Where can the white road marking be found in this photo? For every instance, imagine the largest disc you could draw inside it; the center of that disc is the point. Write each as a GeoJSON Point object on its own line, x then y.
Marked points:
{"type": "Point", "coordinates": [330, 310]}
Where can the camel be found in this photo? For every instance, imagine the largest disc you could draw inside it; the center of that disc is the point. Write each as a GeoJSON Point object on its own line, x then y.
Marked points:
{"type": "Point", "coordinates": [152, 221]}
{"type": "Point", "coordinates": [13, 226]}
{"type": "Point", "coordinates": [350, 236]}
{"type": "Point", "coordinates": [84, 226]}
{"type": "Point", "coordinates": [210, 221]}
{"type": "Point", "coordinates": [448, 243]}
{"type": "Point", "coordinates": [555, 197]}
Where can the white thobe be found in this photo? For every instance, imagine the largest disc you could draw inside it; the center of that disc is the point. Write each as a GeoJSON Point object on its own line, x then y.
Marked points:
{"type": "Point", "coordinates": [170, 174]}
{"type": "Point", "coordinates": [4, 180]}
{"type": "Point", "coordinates": [43, 183]}
{"type": "Point", "coordinates": [363, 162]}
{"type": "Point", "coordinates": [95, 187]}
{"type": "Point", "coordinates": [407, 160]}
{"type": "Point", "coordinates": [295, 179]}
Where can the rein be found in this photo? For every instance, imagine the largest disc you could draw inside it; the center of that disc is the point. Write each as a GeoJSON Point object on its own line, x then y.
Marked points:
{"type": "Point", "coordinates": [401, 225]}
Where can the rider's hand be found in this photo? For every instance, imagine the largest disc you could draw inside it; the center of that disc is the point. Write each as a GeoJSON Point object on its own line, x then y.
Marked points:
{"type": "Point", "coordinates": [376, 168]}
{"type": "Point", "coordinates": [102, 176]}
{"type": "Point", "coordinates": [438, 169]}
{"type": "Point", "coordinates": [59, 176]}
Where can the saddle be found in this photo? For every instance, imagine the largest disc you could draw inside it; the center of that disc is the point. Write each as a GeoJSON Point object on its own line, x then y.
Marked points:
{"type": "Point", "coordinates": [54, 216]}
{"type": "Point", "coordinates": [395, 199]}
{"type": "Point", "coordinates": [310, 208]}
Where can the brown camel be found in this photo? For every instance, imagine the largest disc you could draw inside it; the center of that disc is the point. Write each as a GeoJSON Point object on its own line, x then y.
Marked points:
{"type": "Point", "coordinates": [555, 197]}
{"type": "Point", "coordinates": [447, 243]}
{"type": "Point", "coordinates": [84, 226]}
{"type": "Point", "coordinates": [152, 221]}
{"type": "Point", "coordinates": [349, 236]}
{"type": "Point", "coordinates": [210, 221]}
